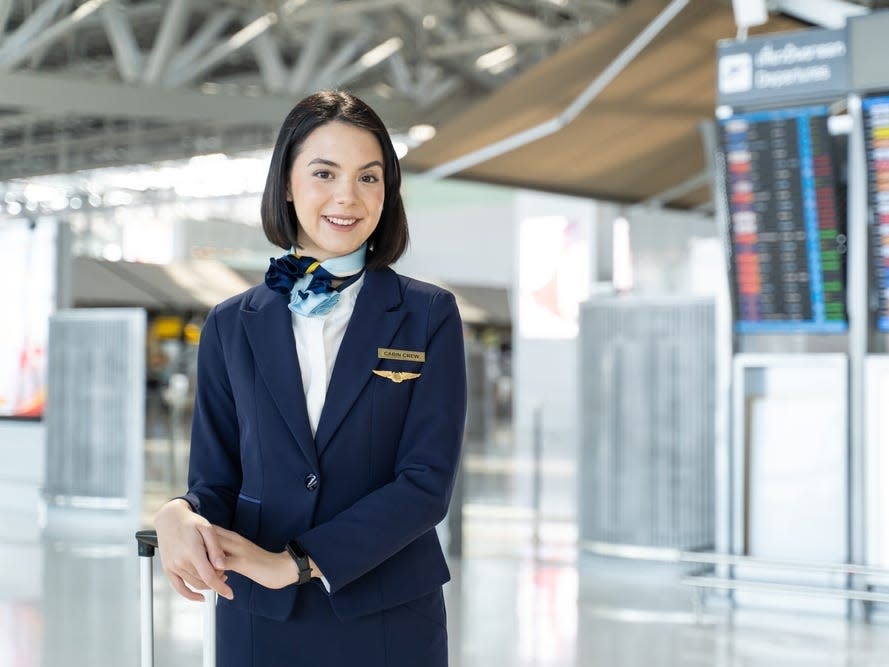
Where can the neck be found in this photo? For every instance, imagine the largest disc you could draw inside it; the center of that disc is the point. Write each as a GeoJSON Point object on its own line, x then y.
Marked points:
{"type": "Point", "coordinates": [345, 265]}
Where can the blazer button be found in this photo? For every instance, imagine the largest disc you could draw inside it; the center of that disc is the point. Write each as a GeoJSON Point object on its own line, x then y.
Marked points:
{"type": "Point", "coordinates": [311, 481]}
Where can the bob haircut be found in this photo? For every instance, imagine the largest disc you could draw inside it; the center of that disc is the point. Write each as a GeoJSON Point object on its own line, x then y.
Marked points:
{"type": "Point", "coordinates": [390, 238]}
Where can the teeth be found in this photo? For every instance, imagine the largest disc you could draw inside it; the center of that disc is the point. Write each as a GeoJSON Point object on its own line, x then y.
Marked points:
{"type": "Point", "coordinates": [343, 222]}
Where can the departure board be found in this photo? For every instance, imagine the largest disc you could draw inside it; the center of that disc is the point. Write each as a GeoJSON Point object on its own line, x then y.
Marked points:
{"type": "Point", "coordinates": [876, 131]}
{"type": "Point", "coordinates": [787, 230]}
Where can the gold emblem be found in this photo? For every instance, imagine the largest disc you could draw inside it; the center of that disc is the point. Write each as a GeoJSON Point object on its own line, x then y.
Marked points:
{"type": "Point", "coordinates": [400, 355]}
{"type": "Point", "coordinates": [397, 376]}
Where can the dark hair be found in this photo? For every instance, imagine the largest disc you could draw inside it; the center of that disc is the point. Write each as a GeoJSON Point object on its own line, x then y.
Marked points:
{"type": "Point", "coordinates": [390, 238]}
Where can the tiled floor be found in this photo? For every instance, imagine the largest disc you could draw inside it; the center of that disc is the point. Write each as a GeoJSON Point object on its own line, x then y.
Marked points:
{"type": "Point", "coordinates": [76, 605]}
{"type": "Point", "coordinates": [67, 603]}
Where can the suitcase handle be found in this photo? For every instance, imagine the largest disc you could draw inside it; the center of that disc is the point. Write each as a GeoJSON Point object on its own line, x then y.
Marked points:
{"type": "Point", "coordinates": [147, 541]}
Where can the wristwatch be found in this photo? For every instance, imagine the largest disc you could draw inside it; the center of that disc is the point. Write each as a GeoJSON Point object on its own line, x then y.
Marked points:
{"type": "Point", "coordinates": [301, 558]}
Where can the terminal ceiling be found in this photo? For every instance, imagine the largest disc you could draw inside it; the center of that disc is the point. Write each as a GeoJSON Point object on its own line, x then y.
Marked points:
{"type": "Point", "coordinates": [108, 82]}
{"type": "Point", "coordinates": [641, 140]}
{"type": "Point", "coordinates": [114, 82]}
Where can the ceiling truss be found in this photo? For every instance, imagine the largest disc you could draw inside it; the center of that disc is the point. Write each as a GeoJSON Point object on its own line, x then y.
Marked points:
{"type": "Point", "coordinates": [109, 82]}
{"type": "Point", "coordinates": [94, 83]}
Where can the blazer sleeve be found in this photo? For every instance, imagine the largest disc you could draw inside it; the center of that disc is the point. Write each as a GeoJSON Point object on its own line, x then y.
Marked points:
{"type": "Point", "coordinates": [389, 518]}
{"type": "Point", "coordinates": [214, 471]}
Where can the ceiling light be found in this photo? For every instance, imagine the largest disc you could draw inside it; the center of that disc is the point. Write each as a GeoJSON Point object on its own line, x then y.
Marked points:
{"type": "Point", "coordinates": [208, 160]}
{"type": "Point", "coordinates": [384, 90]}
{"type": "Point", "coordinates": [401, 148]}
{"type": "Point", "coordinates": [379, 53]}
{"type": "Point", "coordinates": [430, 21]}
{"type": "Point", "coordinates": [749, 13]}
{"type": "Point", "coordinates": [118, 198]}
{"type": "Point", "coordinates": [112, 252]}
{"type": "Point", "coordinates": [496, 57]}
{"type": "Point", "coordinates": [840, 124]}
{"type": "Point", "coordinates": [292, 5]}
{"type": "Point", "coordinates": [421, 133]}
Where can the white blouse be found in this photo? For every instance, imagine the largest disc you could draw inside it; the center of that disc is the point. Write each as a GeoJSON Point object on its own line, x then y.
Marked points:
{"type": "Point", "coordinates": [318, 340]}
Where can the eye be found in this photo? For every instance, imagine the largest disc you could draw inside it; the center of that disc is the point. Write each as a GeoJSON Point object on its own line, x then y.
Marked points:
{"type": "Point", "coordinates": [370, 178]}
{"type": "Point", "coordinates": [322, 173]}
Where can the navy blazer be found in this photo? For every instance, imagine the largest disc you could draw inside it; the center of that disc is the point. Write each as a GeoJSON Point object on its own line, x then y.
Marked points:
{"type": "Point", "coordinates": [364, 495]}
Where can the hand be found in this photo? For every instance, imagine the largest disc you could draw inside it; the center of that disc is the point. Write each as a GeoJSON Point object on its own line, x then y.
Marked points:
{"type": "Point", "coordinates": [188, 545]}
{"type": "Point", "coordinates": [267, 568]}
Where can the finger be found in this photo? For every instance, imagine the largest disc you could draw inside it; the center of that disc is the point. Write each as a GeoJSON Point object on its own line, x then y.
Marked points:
{"type": "Point", "coordinates": [189, 575]}
{"type": "Point", "coordinates": [194, 583]}
{"type": "Point", "coordinates": [182, 589]}
{"type": "Point", "coordinates": [215, 553]}
{"type": "Point", "coordinates": [212, 577]}
{"type": "Point", "coordinates": [192, 578]}
{"type": "Point", "coordinates": [215, 580]}
{"type": "Point", "coordinates": [211, 574]}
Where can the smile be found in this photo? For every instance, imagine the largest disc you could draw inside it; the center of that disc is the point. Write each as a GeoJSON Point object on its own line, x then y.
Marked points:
{"type": "Point", "coordinates": [340, 222]}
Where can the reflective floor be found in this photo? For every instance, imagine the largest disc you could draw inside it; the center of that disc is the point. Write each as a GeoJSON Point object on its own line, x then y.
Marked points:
{"type": "Point", "coordinates": [75, 603]}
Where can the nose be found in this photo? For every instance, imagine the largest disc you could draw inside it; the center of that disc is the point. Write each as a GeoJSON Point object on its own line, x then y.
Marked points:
{"type": "Point", "coordinates": [345, 192]}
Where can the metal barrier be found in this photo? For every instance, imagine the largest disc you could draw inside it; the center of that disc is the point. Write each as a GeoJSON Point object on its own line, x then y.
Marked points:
{"type": "Point", "coordinates": [702, 582]}
{"type": "Point", "coordinates": [95, 429]}
{"type": "Point", "coordinates": [647, 387]}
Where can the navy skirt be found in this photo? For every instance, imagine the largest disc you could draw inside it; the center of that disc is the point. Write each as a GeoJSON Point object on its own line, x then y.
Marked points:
{"type": "Point", "coordinates": [408, 635]}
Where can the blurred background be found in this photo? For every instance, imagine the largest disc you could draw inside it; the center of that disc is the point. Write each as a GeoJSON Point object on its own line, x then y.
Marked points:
{"type": "Point", "coordinates": [665, 225]}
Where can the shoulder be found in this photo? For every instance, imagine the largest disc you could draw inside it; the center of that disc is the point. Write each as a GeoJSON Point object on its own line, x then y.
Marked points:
{"type": "Point", "coordinates": [435, 303]}
{"type": "Point", "coordinates": [417, 291]}
{"type": "Point", "coordinates": [392, 291]}
{"type": "Point", "coordinates": [246, 300]}
{"type": "Point", "coordinates": [250, 299]}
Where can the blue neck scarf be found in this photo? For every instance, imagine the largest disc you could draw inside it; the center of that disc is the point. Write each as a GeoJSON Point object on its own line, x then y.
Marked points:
{"type": "Point", "coordinates": [309, 282]}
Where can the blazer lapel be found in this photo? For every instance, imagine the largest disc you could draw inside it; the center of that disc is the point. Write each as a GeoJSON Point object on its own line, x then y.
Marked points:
{"type": "Point", "coordinates": [373, 324]}
{"type": "Point", "coordinates": [270, 333]}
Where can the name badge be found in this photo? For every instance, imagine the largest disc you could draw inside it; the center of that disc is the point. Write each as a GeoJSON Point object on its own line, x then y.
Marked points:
{"type": "Point", "coordinates": [400, 355]}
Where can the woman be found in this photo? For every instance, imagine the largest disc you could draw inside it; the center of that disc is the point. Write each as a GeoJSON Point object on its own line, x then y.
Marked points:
{"type": "Point", "coordinates": [328, 421]}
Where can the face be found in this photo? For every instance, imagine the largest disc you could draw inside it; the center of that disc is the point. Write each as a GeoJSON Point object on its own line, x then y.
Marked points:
{"type": "Point", "coordinates": [337, 190]}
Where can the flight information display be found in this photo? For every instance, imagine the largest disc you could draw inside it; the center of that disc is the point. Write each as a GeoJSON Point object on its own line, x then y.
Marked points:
{"type": "Point", "coordinates": [876, 131]}
{"type": "Point", "coordinates": [787, 228]}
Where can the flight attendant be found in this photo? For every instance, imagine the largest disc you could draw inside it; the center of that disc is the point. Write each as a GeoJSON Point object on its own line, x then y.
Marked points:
{"type": "Point", "coordinates": [328, 421]}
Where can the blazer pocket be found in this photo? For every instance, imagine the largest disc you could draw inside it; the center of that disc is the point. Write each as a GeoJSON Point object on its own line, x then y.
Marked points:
{"type": "Point", "coordinates": [429, 607]}
{"type": "Point", "coordinates": [247, 513]}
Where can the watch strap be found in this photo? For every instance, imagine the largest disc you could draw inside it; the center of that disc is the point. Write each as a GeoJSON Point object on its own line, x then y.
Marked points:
{"type": "Point", "coordinates": [301, 559]}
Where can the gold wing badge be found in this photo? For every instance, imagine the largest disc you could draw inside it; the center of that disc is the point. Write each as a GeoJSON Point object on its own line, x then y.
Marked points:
{"type": "Point", "coordinates": [397, 376]}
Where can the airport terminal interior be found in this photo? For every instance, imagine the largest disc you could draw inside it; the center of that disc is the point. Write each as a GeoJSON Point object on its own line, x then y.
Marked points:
{"type": "Point", "coordinates": [666, 227]}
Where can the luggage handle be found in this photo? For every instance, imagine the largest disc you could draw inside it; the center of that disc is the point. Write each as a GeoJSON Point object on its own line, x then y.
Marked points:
{"type": "Point", "coordinates": [147, 544]}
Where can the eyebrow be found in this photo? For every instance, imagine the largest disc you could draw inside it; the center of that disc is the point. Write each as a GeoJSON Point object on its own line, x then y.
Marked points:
{"type": "Point", "coordinates": [331, 163]}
